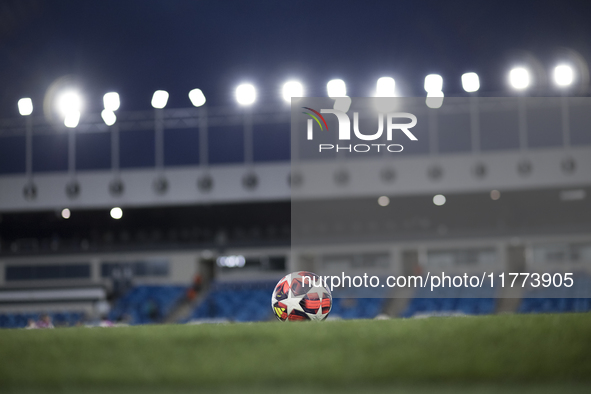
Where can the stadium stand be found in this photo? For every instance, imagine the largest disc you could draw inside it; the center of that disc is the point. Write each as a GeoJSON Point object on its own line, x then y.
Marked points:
{"type": "Point", "coordinates": [451, 300]}
{"type": "Point", "coordinates": [358, 303]}
{"type": "Point", "coordinates": [250, 301]}
{"type": "Point", "coordinates": [59, 319]}
{"type": "Point", "coordinates": [564, 299]}
{"type": "Point", "coordinates": [241, 302]}
{"type": "Point", "coordinates": [468, 306]}
{"type": "Point", "coordinates": [146, 304]}
{"type": "Point", "coordinates": [360, 308]}
{"type": "Point", "coordinates": [553, 305]}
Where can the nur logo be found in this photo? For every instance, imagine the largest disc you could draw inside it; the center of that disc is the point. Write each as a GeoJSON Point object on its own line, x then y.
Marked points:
{"type": "Point", "coordinates": [345, 130]}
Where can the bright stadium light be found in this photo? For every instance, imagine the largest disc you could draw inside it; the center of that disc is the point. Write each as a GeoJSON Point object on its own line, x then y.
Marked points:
{"type": "Point", "coordinates": [159, 99]}
{"type": "Point", "coordinates": [292, 89]}
{"type": "Point", "coordinates": [231, 261]}
{"type": "Point", "coordinates": [246, 94]}
{"type": "Point", "coordinates": [342, 103]}
{"type": "Point", "coordinates": [25, 106]}
{"type": "Point", "coordinates": [109, 117]}
{"type": "Point", "coordinates": [563, 75]}
{"type": "Point", "coordinates": [439, 200]}
{"type": "Point", "coordinates": [66, 213]}
{"type": "Point", "coordinates": [116, 213]}
{"type": "Point", "coordinates": [470, 82]}
{"type": "Point", "coordinates": [519, 78]}
{"type": "Point", "coordinates": [336, 88]}
{"type": "Point", "coordinates": [72, 119]}
{"type": "Point", "coordinates": [433, 83]}
{"type": "Point", "coordinates": [111, 101]}
{"type": "Point", "coordinates": [197, 97]}
{"type": "Point", "coordinates": [386, 87]}
{"type": "Point", "coordinates": [69, 103]}
{"type": "Point", "coordinates": [434, 99]}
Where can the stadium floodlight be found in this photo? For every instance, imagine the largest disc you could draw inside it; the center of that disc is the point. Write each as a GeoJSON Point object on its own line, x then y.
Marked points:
{"type": "Point", "coordinates": [434, 99]}
{"type": "Point", "coordinates": [116, 213]}
{"type": "Point", "coordinates": [470, 82]}
{"type": "Point", "coordinates": [292, 89]}
{"type": "Point", "coordinates": [342, 104]}
{"type": "Point", "coordinates": [109, 117]}
{"type": "Point", "coordinates": [197, 97]}
{"type": "Point", "coordinates": [111, 101]}
{"type": "Point", "coordinates": [439, 200]}
{"type": "Point", "coordinates": [159, 99]}
{"type": "Point", "coordinates": [519, 78]}
{"type": "Point", "coordinates": [72, 119]}
{"type": "Point", "coordinates": [433, 83]}
{"type": "Point", "coordinates": [231, 261]}
{"type": "Point", "coordinates": [69, 103]}
{"type": "Point", "coordinates": [336, 88]}
{"type": "Point", "coordinates": [25, 106]}
{"type": "Point", "coordinates": [246, 94]}
{"type": "Point", "coordinates": [66, 213]}
{"type": "Point", "coordinates": [386, 87]}
{"type": "Point", "coordinates": [563, 75]}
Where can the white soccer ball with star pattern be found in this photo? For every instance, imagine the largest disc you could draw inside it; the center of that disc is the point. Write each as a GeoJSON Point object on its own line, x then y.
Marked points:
{"type": "Point", "coordinates": [301, 296]}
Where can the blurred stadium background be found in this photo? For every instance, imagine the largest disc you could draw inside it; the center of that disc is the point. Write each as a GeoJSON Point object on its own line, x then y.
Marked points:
{"type": "Point", "coordinates": [148, 177]}
{"type": "Point", "coordinates": [177, 215]}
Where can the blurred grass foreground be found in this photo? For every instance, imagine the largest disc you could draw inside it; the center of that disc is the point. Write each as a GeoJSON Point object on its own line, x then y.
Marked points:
{"type": "Point", "coordinates": [508, 353]}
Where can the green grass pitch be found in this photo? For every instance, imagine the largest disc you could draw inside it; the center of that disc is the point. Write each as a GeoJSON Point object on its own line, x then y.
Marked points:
{"type": "Point", "coordinates": [506, 353]}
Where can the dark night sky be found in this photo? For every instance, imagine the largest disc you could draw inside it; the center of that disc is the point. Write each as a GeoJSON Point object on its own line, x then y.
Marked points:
{"type": "Point", "coordinates": [137, 46]}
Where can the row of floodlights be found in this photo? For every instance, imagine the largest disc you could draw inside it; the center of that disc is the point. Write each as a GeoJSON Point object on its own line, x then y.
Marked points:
{"type": "Point", "coordinates": [116, 213]}
{"type": "Point", "coordinates": [70, 103]}
{"type": "Point", "coordinates": [519, 78]}
{"type": "Point", "coordinates": [233, 261]}
{"type": "Point", "coordinates": [384, 201]}
{"type": "Point", "coordinates": [438, 199]}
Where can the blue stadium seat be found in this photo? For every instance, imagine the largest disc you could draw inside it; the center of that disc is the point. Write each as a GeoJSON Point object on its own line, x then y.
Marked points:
{"type": "Point", "coordinates": [563, 299]}
{"type": "Point", "coordinates": [147, 304]}
{"type": "Point", "coordinates": [20, 320]}
{"type": "Point", "coordinates": [242, 302]}
{"type": "Point", "coordinates": [452, 300]}
{"type": "Point", "coordinates": [357, 308]}
{"type": "Point", "coordinates": [251, 301]}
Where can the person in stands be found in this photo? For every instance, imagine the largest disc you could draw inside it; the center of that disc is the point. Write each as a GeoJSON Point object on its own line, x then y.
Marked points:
{"type": "Point", "coordinates": [45, 322]}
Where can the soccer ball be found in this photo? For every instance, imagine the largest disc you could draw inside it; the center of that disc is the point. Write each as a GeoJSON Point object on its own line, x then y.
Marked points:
{"type": "Point", "coordinates": [301, 296]}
